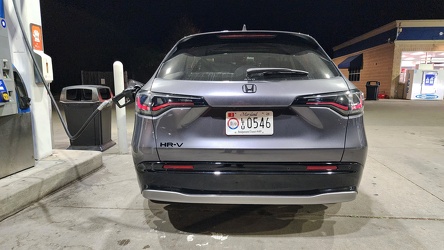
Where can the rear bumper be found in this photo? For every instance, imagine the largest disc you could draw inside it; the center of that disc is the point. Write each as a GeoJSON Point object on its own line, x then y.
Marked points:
{"type": "Point", "coordinates": [326, 198]}
{"type": "Point", "coordinates": [250, 183]}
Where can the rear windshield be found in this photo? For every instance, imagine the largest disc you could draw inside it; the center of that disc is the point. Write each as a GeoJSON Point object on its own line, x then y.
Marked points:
{"type": "Point", "coordinates": [230, 61]}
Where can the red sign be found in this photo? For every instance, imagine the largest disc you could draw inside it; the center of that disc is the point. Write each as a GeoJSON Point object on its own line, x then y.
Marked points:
{"type": "Point", "coordinates": [37, 37]}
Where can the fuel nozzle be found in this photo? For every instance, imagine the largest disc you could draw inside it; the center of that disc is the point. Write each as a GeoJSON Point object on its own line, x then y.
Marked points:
{"type": "Point", "coordinates": [129, 93]}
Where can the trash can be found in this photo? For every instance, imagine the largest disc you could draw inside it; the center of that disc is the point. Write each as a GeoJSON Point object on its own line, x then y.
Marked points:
{"type": "Point", "coordinates": [79, 102]}
{"type": "Point", "coordinates": [372, 90]}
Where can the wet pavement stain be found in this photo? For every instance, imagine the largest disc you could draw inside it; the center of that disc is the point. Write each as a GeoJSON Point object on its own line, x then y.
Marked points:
{"type": "Point", "coordinates": [123, 242]}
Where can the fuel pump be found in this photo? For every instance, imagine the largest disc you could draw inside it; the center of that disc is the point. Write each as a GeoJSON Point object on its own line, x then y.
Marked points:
{"type": "Point", "coordinates": [25, 125]}
{"type": "Point", "coordinates": [7, 91]}
{"type": "Point", "coordinates": [16, 141]}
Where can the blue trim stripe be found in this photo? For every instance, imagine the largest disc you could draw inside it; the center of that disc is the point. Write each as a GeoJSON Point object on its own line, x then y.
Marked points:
{"type": "Point", "coordinates": [368, 43]}
{"type": "Point", "coordinates": [421, 33]}
{"type": "Point", "coordinates": [407, 34]}
{"type": "Point", "coordinates": [2, 9]}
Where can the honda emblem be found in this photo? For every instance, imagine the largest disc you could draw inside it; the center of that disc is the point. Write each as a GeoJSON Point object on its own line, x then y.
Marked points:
{"type": "Point", "coordinates": [249, 88]}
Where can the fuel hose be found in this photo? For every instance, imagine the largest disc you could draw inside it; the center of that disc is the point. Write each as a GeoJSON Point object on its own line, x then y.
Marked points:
{"type": "Point", "coordinates": [104, 104]}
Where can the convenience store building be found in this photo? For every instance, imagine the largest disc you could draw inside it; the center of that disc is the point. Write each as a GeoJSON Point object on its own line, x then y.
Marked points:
{"type": "Point", "coordinates": [402, 56]}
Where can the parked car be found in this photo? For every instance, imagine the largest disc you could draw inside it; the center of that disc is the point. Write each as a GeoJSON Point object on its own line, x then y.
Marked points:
{"type": "Point", "coordinates": [249, 117]}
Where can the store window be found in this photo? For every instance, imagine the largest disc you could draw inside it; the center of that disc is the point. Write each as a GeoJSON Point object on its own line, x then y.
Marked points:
{"type": "Point", "coordinates": [354, 65]}
{"type": "Point", "coordinates": [411, 60]}
{"type": "Point", "coordinates": [354, 75]}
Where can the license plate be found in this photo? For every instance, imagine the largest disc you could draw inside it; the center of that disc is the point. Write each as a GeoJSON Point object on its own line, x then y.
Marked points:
{"type": "Point", "coordinates": [249, 123]}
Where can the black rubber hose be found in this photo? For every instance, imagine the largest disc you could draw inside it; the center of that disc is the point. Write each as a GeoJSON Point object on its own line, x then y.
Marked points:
{"type": "Point", "coordinates": [40, 74]}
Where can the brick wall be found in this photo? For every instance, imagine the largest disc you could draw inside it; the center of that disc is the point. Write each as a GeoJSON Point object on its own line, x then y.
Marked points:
{"type": "Point", "coordinates": [377, 66]}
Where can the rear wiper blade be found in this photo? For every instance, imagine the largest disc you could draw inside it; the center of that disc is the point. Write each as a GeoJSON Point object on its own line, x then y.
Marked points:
{"type": "Point", "coordinates": [274, 72]}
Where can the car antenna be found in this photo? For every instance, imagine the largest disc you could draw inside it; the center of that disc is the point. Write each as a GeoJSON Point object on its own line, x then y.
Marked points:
{"type": "Point", "coordinates": [244, 28]}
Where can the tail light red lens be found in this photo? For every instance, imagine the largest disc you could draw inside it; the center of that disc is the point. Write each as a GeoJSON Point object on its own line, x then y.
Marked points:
{"type": "Point", "coordinates": [155, 104]}
{"type": "Point", "coordinates": [347, 103]}
{"type": "Point", "coordinates": [141, 104]}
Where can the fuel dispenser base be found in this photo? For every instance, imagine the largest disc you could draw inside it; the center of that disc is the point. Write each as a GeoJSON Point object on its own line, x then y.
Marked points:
{"type": "Point", "coordinates": [17, 145]}
{"type": "Point", "coordinates": [17, 149]}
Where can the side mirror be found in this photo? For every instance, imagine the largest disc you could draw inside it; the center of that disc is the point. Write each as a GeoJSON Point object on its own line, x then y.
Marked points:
{"type": "Point", "coordinates": [129, 93]}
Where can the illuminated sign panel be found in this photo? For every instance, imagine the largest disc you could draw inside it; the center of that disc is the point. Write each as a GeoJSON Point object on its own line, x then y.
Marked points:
{"type": "Point", "coordinates": [36, 37]}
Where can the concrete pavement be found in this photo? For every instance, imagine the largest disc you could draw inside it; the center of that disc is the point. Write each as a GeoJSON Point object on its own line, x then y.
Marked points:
{"type": "Point", "coordinates": [400, 204]}
{"type": "Point", "coordinates": [50, 174]}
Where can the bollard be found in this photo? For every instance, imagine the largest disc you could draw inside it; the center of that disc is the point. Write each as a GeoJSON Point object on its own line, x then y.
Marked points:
{"type": "Point", "coordinates": [120, 112]}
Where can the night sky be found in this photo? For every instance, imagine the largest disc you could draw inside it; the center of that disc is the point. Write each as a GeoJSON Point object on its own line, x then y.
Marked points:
{"type": "Point", "coordinates": [91, 34]}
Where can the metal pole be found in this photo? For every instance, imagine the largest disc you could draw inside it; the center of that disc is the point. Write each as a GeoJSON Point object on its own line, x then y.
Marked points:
{"type": "Point", "coordinates": [120, 112]}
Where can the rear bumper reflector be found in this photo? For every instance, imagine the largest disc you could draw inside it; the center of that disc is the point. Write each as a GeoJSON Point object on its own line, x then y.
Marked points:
{"type": "Point", "coordinates": [178, 167]}
{"type": "Point", "coordinates": [321, 168]}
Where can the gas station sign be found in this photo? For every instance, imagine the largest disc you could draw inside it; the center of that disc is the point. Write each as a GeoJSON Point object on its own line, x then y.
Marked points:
{"type": "Point", "coordinates": [37, 37]}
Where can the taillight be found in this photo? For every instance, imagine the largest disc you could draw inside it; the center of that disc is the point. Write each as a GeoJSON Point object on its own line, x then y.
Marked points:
{"type": "Point", "coordinates": [155, 103]}
{"type": "Point", "coordinates": [347, 103]}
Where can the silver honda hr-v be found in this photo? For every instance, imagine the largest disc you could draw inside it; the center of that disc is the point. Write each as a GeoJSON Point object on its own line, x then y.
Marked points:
{"type": "Point", "coordinates": [249, 117]}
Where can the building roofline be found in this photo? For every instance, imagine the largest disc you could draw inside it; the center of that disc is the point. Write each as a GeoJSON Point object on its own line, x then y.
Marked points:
{"type": "Point", "coordinates": [367, 35]}
{"type": "Point", "coordinates": [390, 26]}
{"type": "Point", "coordinates": [420, 23]}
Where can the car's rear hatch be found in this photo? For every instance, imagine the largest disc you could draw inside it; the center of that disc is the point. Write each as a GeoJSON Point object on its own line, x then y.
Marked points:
{"type": "Point", "coordinates": [299, 133]}
{"type": "Point", "coordinates": [210, 84]}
